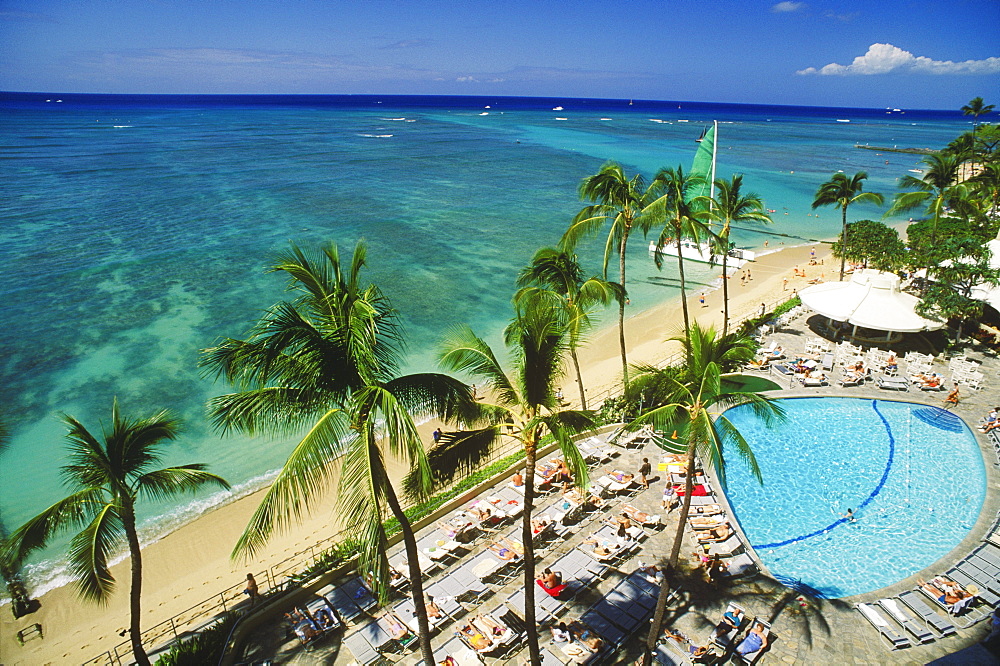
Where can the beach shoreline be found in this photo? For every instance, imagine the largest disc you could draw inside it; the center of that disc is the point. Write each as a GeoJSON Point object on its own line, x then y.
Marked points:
{"type": "Point", "coordinates": [192, 563]}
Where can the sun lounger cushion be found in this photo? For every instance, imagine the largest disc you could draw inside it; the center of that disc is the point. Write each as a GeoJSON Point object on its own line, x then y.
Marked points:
{"type": "Point", "coordinates": [883, 627]}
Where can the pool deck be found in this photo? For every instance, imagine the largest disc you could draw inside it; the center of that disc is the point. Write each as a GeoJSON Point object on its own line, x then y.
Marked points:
{"type": "Point", "coordinates": [806, 631]}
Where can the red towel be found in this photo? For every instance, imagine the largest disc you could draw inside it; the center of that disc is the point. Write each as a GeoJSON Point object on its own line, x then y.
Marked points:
{"type": "Point", "coordinates": [697, 490]}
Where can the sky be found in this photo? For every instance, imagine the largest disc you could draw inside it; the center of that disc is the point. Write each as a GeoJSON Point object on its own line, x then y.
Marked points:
{"type": "Point", "coordinates": [936, 54]}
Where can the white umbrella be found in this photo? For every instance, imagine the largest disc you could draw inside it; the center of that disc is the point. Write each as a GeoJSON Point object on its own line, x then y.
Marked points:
{"type": "Point", "coordinates": [871, 299]}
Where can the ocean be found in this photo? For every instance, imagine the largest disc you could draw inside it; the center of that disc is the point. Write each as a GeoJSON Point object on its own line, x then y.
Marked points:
{"type": "Point", "coordinates": [135, 231]}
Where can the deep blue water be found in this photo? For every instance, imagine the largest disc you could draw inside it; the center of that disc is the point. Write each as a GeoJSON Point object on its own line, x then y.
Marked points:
{"type": "Point", "coordinates": [135, 230]}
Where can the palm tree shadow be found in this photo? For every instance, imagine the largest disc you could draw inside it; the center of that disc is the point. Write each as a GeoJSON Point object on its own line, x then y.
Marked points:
{"type": "Point", "coordinates": [793, 602]}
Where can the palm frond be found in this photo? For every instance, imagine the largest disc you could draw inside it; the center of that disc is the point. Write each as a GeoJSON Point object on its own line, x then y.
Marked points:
{"type": "Point", "coordinates": [165, 483]}
{"type": "Point", "coordinates": [68, 513]}
{"type": "Point", "coordinates": [275, 409]}
{"type": "Point", "coordinates": [432, 394]}
{"type": "Point", "coordinates": [463, 351]}
{"type": "Point", "coordinates": [298, 486]}
{"type": "Point", "coordinates": [90, 551]}
{"type": "Point", "coordinates": [730, 433]}
{"type": "Point", "coordinates": [456, 455]}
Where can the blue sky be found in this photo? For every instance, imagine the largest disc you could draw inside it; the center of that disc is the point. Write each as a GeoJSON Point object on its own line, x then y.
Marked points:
{"type": "Point", "coordinates": [896, 53]}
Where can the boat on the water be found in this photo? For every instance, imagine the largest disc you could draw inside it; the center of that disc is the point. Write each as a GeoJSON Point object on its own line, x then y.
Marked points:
{"type": "Point", "coordinates": [702, 253]}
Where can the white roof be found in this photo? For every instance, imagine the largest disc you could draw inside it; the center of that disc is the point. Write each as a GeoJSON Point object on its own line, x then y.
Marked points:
{"type": "Point", "coordinates": [870, 299]}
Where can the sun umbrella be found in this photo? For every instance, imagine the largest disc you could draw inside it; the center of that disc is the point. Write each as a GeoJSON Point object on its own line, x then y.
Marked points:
{"type": "Point", "coordinates": [871, 299]}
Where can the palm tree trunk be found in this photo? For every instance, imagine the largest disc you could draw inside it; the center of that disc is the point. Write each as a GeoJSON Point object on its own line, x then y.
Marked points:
{"type": "Point", "coordinates": [684, 304]}
{"type": "Point", "coordinates": [661, 601]}
{"type": "Point", "coordinates": [416, 577]}
{"type": "Point", "coordinates": [579, 377]}
{"type": "Point", "coordinates": [843, 243]}
{"type": "Point", "coordinates": [530, 453]}
{"type": "Point", "coordinates": [135, 592]}
{"type": "Point", "coordinates": [725, 293]}
{"type": "Point", "coordinates": [621, 306]}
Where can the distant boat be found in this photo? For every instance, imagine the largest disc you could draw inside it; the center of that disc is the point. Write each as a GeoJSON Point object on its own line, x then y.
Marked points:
{"type": "Point", "coordinates": [484, 113]}
{"type": "Point", "coordinates": [841, 120]}
{"type": "Point", "coordinates": [557, 108]}
{"type": "Point", "coordinates": [487, 106]}
{"type": "Point", "coordinates": [916, 171]}
{"type": "Point", "coordinates": [630, 102]}
{"type": "Point", "coordinates": [562, 118]}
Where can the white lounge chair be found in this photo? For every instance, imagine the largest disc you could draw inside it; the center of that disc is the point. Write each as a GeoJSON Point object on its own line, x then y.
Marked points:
{"type": "Point", "coordinates": [896, 611]}
{"type": "Point", "coordinates": [882, 626]}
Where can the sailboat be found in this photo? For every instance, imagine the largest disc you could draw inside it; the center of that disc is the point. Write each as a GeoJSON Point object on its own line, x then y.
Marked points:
{"type": "Point", "coordinates": [700, 138]}
{"type": "Point", "coordinates": [704, 165]}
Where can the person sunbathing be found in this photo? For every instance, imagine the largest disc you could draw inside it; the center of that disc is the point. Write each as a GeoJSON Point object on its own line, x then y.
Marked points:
{"type": "Point", "coordinates": [503, 552]}
{"type": "Point", "coordinates": [755, 641]}
{"type": "Point", "coordinates": [433, 610]}
{"type": "Point", "coordinates": [707, 509]}
{"type": "Point", "coordinates": [945, 591]}
{"type": "Point", "coordinates": [325, 618]}
{"type": "Point", "coordinates": [600, 550]}
{"type": "Point", "coordinates": [478, 640]}
{"type": "Point", "coordinates": [517, 480]}
{"type": "Point", "coordinates": [992, 421]}
{"type": "Point", "coordinates": [622, 522]}
{"type": "Point", "coordinates": [540, 524]}
{"type": "Point", "coordinates": [636, 515]}
{"type": "Point", "coordinates": [489, 625]}
{"type": "Point", "coordinates": [705, 521]}
{"type": "Point", "coordinates": [621, 477]}
{"type": "Point", "coordinates": [720, 533]}
{"type": "Point", "coordinates": [891, 363]}
{"type": "Point", "coordinates": [396, 627]}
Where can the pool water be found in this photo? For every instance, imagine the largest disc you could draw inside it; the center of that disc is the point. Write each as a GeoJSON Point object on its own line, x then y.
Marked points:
{"type": "Point", "coordinates": [913, 475]}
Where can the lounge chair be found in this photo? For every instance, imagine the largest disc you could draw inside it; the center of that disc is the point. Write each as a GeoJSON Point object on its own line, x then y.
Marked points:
{"type": "Point", "coordinates": [896, 611]}
{"type": "Point", "coordinates": [741, 565]}
{"type": "Point", "coordinates": [892, 384]}
{"type": "Point", "coordinates": [882, 626]}
{"type": "Point", "coordinates": [362, 650]}
{"type": "Point", "coordinates": [727, 547]}
{"type": "Point", "coordinates": [852, 380]}
{"type": "Point", "coordinates": [916, 603]}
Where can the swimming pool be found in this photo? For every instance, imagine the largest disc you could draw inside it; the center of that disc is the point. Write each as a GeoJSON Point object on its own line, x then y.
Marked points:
{"type": "Point", "coordinates": [913, 475]}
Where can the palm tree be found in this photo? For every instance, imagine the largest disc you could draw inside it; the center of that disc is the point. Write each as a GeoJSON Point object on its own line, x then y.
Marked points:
{"type": "Point", "coordinates": [840, 192]}
{"type": "Point", "coordinates": [976, 108]}
{"type": "Point", "coordinates": [932, 191]}
{"type": "Point", "coordinates": [621, 201]}
{"type": "Point", "coordinates": [683, 216]}
{"type": "Point", "coordinates": [108, 475]}
{"type": "Point", "coordinates": [524, 408]}
{"type": "Point", "coordinates": [556, 275]}
{"type": "Point", "coordinates": [685, 400]}
{"type": "Point", "coordinates": [328, 361]}
{"type": "Point", "coordinates": [731, 206]}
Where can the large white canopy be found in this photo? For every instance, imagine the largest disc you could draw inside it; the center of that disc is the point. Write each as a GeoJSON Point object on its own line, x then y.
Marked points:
{"type": "Point", "coordinates": [987, 292]}
{"type": "Point", "coordinates": [870, 299]}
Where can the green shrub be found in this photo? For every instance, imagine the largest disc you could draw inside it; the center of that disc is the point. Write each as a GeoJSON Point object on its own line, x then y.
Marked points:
{"type": "Point", "coordinates": [205, 647]}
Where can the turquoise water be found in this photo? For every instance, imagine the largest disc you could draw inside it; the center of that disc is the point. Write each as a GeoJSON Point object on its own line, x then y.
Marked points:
{"type": "Point", "coordinates": [134, 232]}
{"type": "Point", "coordinates": [912, 474]}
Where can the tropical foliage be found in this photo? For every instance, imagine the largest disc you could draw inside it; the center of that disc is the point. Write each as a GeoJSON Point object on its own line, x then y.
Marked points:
{"type": "Point", "coordinates": [621, 202]}
{"type": "Point", "coordinates": [557, 279]}
{"type": "Point", "coordinates": [873, 244]}
{"type": "Point", "coordinates": [730, 206]}
{"type": "Point", "coordinates": [521, 405]}
{"type": "Point", "coordinates": [108, 475]}
{"type": "Point", "coordinates": [840, 192]}
{"type": "Point", "coordinates": [327, 362]}
{"type": "Point", "coordinates": [690, 401]}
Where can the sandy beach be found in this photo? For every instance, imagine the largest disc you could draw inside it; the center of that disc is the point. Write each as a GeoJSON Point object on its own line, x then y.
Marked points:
{"type": "Point", "coordinates": [193, 564]}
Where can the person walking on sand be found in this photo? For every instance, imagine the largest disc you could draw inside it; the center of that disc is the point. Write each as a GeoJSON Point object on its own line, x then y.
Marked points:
{"type": "Point", "coordinates": [701, 299]}
{"type": "Point", "coordinates": [436, 435]}
{"type": "Point", "coordinates": [784, 284]}
{"type": "Point", "coordinates": [251, 589]}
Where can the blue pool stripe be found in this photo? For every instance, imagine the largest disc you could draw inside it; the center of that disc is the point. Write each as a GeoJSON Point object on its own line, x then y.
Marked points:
{"type": "Point", "coordinates": [871, 496]}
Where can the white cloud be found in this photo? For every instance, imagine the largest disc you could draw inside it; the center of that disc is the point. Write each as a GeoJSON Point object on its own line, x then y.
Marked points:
{"type": "Point", "coordinates": [787, 6]}
{"type": "Point", "coordinates": [886, 58]}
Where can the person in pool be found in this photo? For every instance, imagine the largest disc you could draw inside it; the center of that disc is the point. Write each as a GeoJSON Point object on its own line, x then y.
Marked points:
{"type": "Point", "coordinates": [849, 515]}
